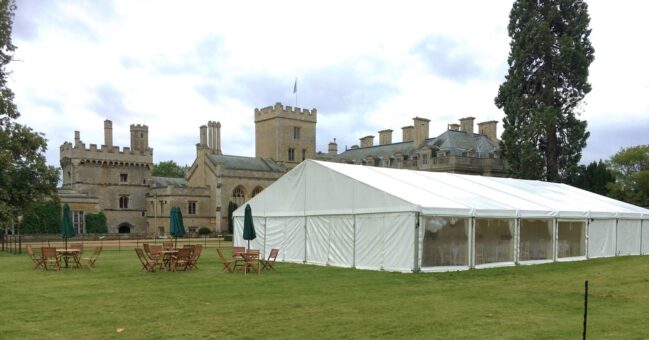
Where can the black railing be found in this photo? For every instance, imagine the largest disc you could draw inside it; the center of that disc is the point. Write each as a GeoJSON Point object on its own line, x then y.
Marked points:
{"type": "Point", "coordinates": [14, 243]}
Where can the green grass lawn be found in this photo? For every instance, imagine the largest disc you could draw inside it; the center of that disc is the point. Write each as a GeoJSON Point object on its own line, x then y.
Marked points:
{"type": "Point", "coordinates": [301, 301]}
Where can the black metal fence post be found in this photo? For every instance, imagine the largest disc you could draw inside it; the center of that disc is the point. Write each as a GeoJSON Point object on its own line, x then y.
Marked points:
{"type": "Point", "coordinates": [585, 307]}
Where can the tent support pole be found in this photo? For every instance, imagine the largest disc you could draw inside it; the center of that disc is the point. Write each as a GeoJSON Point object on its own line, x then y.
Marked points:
{"type": "Point", "coordinates": [416, 267]}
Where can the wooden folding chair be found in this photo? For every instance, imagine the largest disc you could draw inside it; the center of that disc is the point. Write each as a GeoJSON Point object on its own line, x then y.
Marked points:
{"type": "Point", "coordinates": [147, 264]}
{"type": "Point", "coordinates": [268, 264]}
{"type": "Point", "coordinates": [193, 262]}
{"type": "Point", "coordinates": [168, 245]}
{"type": "Point", "coordinates": [155, 254]}
{"type": "Point", "coordinates": [251, 259]}
{"type": "Point", "coordinates": [50, 257]}
{"type": "Point", "coordinates": [238, 251]}
{"type": "Point", "coordinates": [229, 265]}
{"type": "Point", "coordinates": [182, 259]}
{"type": "Point", "coordinates": [76, 246]}
{"type": "Point", "coordinates": [37, 261]}
{"type": "Point", "coordinates": [90, 261]}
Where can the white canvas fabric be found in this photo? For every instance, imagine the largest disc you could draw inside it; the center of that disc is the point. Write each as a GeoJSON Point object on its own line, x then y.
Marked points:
{"type": "Point", "coordinates": [324, 211]}
{"type": "Point", "coordinates": [628, 237]}
{"type": "Point", "coordinates": [645, 237]}
{"type": "Point", "coordinates": [369, 241]}
{"type": "Point", "coordinates": [295, 240]}
{"type": "Point", "coordinates": [238, 230]}
{"type": "Point", "coordinates": [275, 236]}
{"type": "Point", "coordinates": [341, 241]}
{"type": "Point", "coordinates": [602, 238]}
{"type": "Point", "coordinates": [317, 239]}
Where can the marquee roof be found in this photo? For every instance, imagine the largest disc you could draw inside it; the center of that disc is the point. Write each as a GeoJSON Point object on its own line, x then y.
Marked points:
{"type": "Point", "coordinates": [325, 188]}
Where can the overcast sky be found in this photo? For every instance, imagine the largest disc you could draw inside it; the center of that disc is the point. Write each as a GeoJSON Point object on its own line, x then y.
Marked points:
{"type": "Point", "coordinates": [366, 66]}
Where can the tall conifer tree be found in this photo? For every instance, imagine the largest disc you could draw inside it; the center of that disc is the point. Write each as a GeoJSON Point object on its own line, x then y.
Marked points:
{"type": "Point", "coordinates": [547, 80]}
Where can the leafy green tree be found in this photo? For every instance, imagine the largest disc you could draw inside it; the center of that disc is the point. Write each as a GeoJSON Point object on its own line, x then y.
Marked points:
{"type": "Point", "coordinates": [41, 218]}
{"type": "Point", "coordinates": [546, 82]}
{"type": "Point", "coordinates": [631, 169]}
{"type": "Point", "coordinates": [24, 175]}
{"type": "Point", "coordinates": [168, 169]}
{"type": "Point", "coordinates": [96, 223]}
{"type": "Point", "coordinates": [594, 177]}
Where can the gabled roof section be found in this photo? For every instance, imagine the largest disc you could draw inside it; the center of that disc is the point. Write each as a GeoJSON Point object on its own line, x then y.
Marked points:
{"type": "Point", "coordinates": [457, 142]}
{"type": "Point", "coordinates": [246, 163]}
{"type": "Point", "coordinates": [162, 182]}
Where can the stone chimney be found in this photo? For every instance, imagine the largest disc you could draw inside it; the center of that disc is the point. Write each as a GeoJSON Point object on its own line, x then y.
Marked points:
{"type": "Point", "coordinates": [489, 129]}
{"type": "Point", "coordinates": [203, 140]}
{"type": "Point", "coordinates": [454, 127]}
{"type": "Point", "coordinates": [77, 138]}
{"type": "Point", "coordinates": [385, 137]}
{"type": "Point", "coordinates": [421, 130]}
{"type": "Point", "coordinates": [367, 141]}
{"type": "Point", "coordinates": [407, 133]}
{"type": "Point", "coordinates": [333, 148]}
{"type": "Point", "coordinates": [466, 125]}
{"type": "Point", "coordinates": [108, 133]}
{"type": "Point", "coordinates": [217, 125]}
{"type": "Point", "coordinates": [210, 136]}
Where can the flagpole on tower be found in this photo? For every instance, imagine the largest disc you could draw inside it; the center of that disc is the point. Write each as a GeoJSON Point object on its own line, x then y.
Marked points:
{"type": "Point", "coordinates": [295, 90]}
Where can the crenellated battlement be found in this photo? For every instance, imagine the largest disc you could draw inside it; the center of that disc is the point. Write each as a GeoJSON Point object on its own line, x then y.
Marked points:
{"type": "Point", "coordinates": [141, 154]}
{"type": "Point", "coordinates": [139, 127]}
{"type": "Point", "coordinates": [279, 110]}
{"type": "Point", "coordinates": [92, 152]}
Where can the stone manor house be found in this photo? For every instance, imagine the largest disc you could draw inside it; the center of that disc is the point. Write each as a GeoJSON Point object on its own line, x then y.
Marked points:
{"type": "Point", "coordinates": [119, 181]}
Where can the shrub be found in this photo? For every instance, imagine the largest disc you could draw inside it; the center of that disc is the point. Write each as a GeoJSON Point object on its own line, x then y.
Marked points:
{"type": "Point", "coordinates": [204, 231]}
{"type": "Point", "coordinates": [41, 218]}
{"type": "Point", "coordinates": [96, 223]}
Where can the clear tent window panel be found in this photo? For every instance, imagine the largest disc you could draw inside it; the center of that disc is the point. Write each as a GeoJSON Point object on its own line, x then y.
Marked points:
{"type": "Point", "coordinates": [445, 242]}
{"type": "Point", "coordinates": [571, 239]}
{"type": "Point", "coordinates": [535, 240]}
{"type": "Point", "coordinates": [494, 240]}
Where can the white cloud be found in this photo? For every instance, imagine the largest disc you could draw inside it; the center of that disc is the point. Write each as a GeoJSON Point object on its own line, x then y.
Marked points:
{"type": "Point", "coordinates": [175, 66]}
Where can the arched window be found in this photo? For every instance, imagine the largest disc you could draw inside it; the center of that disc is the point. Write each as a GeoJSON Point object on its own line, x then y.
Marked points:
{"type": "Point", "coordinates": [123, 202]}
{"type": "Point", "coordinates": [256, 191]}
{"type": "Point", "coordinates": [124, 228]}
{"type": "Point", "coordinates": [238, 195]}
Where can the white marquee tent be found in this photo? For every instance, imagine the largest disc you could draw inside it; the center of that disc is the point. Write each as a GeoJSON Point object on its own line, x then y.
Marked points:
{"type": "Point", "coordinates": [403, 220]}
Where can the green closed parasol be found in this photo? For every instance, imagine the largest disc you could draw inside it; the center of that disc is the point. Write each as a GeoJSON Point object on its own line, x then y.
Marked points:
{"type": "Point", "coordinates": [176, 225]}
{"type": "Point", "coordinates": [248, 226]}
{"type": "Point", "coordinates": [67, 229]}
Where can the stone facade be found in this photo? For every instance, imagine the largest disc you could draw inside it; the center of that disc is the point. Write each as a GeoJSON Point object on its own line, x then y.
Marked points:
{"type": "Point", "coordinates": [285, 134]}
{"type": "Point", "coordinates": [119, 182]}
{"type": "Point", "coordinates": [117, 179]}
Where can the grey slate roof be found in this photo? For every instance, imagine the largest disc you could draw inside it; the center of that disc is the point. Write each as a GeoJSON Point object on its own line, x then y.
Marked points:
{"type": "Point", "coordinates": [453, 142]}
{"type": "Point", "coordinates": [246, 163]}
{"type": "Point", "coordinates": [456, 142]}
{"type": "Point", "coordinates": [387, 150]}
{"type": "Point", "coordinates": [169, 181]}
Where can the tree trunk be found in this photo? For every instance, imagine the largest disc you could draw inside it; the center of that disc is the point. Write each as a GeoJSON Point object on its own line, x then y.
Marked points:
{"type": "Point", "coordinates": [551, 154]}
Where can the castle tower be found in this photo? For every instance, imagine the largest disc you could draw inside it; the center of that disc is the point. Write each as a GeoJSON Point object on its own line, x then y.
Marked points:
{"type": "Point", "coordinates": [109, 178]}
{"type": "Point", "coordinates": [139, 137]}
{"type": "Point", "coordinates": [285, 134]}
